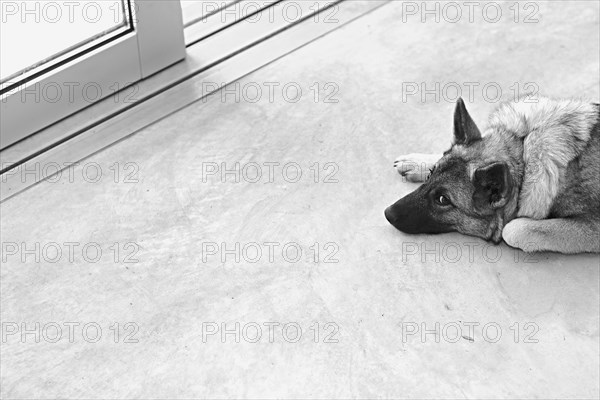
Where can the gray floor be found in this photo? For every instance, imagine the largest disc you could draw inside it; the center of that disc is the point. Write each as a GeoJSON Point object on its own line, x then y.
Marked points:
{"type": "Point", "coordinates": [385, 284]}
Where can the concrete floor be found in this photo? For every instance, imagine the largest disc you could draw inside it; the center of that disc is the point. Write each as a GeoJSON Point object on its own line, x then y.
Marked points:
{"type": "Point", "coordinates": [386, 284]}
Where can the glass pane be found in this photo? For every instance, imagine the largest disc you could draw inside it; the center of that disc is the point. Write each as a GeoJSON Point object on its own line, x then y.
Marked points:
{"type": "Point", "coordinates": [35, 33]}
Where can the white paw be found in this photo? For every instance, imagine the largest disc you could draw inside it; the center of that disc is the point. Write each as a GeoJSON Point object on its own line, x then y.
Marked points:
{"type": "Point", "coordinates": [415, 167]}
{"type": "Point", "coordinates": [518, 233]}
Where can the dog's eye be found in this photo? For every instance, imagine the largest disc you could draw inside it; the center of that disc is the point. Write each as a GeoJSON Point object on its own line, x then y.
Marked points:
{"type": "Point", "coordinates": [442, 200]}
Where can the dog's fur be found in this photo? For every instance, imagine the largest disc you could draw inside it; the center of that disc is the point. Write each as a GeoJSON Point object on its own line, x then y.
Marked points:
{"type": "Point", "coordinates": [532, 178]}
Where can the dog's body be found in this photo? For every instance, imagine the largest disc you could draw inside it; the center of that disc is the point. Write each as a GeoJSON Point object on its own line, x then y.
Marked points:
{"type": "Point", "coordinates": [533, 178]}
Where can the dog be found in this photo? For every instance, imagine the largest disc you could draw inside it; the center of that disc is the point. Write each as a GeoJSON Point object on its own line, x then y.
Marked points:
{"type": "Point", "coordinates": [532, 178]}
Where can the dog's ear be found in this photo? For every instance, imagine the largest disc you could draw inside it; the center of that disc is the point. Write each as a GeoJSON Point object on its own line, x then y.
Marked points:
{"type": "Point", "coordinates": [465, 130]}
{"type": "Point", "coordinates": [493, 185]}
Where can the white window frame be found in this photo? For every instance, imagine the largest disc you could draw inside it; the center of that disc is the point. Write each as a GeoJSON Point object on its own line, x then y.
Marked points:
{"type": "Point", "coordinates": [156, 42]}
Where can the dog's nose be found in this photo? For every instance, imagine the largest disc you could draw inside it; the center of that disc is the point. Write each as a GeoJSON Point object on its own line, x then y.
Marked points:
{"type": "Point", "coordinates": [389, 215]}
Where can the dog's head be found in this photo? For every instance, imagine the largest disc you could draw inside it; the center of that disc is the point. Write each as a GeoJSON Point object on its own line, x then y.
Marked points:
{"type": "Point", "coordinates": [463, 192]}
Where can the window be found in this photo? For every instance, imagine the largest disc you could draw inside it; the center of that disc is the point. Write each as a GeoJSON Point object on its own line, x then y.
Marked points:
{"type": "Point", "coordinates": [70, 55]}
{"type": "Point", "coordinates": [50, 33]}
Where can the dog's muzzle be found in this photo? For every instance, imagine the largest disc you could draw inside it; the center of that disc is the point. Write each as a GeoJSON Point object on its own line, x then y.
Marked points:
{"type": "Point", "coordinates": [411, 214]}
{"type": "Point", "coordinates": [401, 218]}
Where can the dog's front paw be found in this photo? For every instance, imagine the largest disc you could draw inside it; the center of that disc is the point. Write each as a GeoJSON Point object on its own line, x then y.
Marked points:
{"type": "Point", "coordinates": [519, 233]}
{"type": "Point", "coordinates": [415, 167]}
